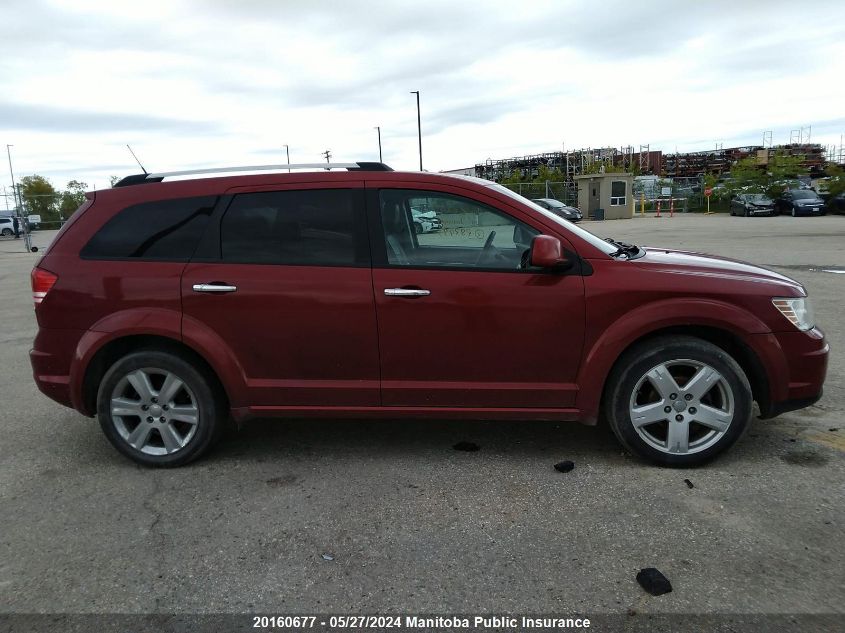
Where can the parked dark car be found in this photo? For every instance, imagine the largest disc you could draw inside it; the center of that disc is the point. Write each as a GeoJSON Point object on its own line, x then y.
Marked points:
{"type": "Point", "coordinates": [747, 204]}
{"type": "Point", "coordinates": [799, 202]}
{"type": "Point", "coordinates": [558, 208]}
{"type": "Point", "coordinates": [167, 308]}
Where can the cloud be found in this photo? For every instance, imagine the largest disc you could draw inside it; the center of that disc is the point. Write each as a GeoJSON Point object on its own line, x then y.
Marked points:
{"type": "Point", "coordinates": [198, 82]}
{"type": "Point", "coordinates": [53, 119]}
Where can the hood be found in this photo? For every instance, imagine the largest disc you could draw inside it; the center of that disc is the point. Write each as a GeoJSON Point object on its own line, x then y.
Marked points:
{"type": "Point", "coordinates": [689, 263]}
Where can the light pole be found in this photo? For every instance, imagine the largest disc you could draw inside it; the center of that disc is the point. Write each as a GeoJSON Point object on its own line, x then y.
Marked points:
{"type": "Point", "coordinates": [419, 128]}
{"type": "Point", "coordinates": [378, 129]}
{"type": "Point", "coordinates": [287, 153]}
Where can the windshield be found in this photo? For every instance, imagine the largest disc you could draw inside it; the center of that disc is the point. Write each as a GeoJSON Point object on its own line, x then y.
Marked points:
{"type": "Point", "coordinates": [804, 195]}
{"type": "Point", "coordinates": [599, 243]}
{"type": "Point", "coordinates": [757, 197]}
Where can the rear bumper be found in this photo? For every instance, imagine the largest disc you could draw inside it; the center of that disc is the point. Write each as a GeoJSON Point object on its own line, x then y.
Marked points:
{"type": "Point", "coordinates": [806, 355]}
{"type": "Point", "coordinates": [51, 358]}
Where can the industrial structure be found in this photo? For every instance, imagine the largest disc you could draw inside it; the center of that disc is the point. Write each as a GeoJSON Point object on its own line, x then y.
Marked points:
{"type": "Point", "coordinates": [644, 161]}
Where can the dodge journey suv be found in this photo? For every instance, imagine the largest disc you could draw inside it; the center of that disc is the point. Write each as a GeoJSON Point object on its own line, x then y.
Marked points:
{"type": "Point", "coordinates": [171, 304]}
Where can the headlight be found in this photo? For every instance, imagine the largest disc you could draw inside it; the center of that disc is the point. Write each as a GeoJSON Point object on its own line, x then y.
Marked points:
{"type": "Point", "coordinates": [797, 311]}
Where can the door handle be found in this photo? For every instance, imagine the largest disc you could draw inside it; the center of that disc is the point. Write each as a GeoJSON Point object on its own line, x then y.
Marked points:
{"type": "Point", "coordinates": [214, 288]}
{"type": "Point", "coordinates": [406, 292]}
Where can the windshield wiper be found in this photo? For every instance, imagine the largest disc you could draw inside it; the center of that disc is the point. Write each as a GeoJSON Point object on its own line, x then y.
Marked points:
{"type": "Point", "coordinates": [623, 248]}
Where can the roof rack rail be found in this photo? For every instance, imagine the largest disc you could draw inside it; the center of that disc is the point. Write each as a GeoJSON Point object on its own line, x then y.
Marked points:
{"type": "Point", "coordinates": [137, 179]}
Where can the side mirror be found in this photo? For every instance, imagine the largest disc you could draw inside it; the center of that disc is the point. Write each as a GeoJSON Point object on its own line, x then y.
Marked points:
{"type": "Point", "coordinates": [546, 252]}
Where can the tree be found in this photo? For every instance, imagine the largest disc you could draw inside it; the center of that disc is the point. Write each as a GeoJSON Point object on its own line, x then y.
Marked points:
{"type": "Point", "coordinates": [836, 180]}
{"type": "Point", "coordinates": [113, 179]}
{"type": "Point", "coordinates": [782, 168]}
{"type": "Point", "coordinates": [71, 198]}
{"type": "Point", "coordinates": [39, 197]}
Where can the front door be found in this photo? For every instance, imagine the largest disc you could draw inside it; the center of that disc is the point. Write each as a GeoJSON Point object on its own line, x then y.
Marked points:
{"type": "Point", "coordinates": [595, 196]}
{"type": "Point", "coordinates": [463, 320]}
{"type": "Point", "coordinates": [290, 293]}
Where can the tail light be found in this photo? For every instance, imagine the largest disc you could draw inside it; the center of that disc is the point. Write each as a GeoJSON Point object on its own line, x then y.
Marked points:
{"type": "Point", "coordinates": [42, 281]}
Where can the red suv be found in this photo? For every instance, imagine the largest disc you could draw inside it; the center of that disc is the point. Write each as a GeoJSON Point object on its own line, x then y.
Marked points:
{"type": "Point", "coordinates": [166, 306]}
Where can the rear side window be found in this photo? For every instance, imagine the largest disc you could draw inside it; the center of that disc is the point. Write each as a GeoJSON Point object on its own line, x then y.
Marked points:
{"type": "Point", "coordinates": [315, 227]}
{"type": "Point", "coordinates": [166, 230]}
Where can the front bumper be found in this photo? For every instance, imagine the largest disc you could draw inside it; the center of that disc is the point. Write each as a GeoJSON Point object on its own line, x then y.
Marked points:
{"type": "Point", "coordinates": [806, 355]}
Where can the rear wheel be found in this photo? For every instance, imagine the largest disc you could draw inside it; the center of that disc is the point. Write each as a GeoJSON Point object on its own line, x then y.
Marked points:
{"type": "Point", "coordinates": [678, 401]}
{"type": "Point", "coordinates": [417, 228]}
{"type": "Point", "coordinates": [7, 232]}
{"type": "Point", "coordinates": [158, 409]}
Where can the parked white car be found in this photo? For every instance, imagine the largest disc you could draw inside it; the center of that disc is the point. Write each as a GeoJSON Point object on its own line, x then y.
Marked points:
{"type": "Point", "coordinates": [425, 221]}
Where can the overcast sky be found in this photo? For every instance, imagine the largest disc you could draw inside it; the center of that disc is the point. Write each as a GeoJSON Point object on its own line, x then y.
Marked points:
{"type": "Point", "coordinates": [192, 83]}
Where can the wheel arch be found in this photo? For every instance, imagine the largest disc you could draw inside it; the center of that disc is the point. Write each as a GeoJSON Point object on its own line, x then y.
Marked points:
{"type": "Point", "coordinates": [728, 341]}
{"type": "Point", "coordinates": [724, 325]}
{"type": "Point", "coordinates": [116, 348]}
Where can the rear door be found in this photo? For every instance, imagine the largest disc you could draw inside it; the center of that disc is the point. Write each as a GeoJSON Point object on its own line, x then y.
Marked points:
{"type": "Point", "coordinates": [284, 279]}
{"type": "Point", "coordinates": [463, 321]}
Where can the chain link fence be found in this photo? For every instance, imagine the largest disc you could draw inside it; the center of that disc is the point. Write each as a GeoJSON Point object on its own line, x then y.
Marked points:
{"type": "Point", "coordinates": [566, 192]}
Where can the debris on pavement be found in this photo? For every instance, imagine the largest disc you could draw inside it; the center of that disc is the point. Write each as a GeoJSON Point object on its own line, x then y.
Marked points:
{"type": "Point", "coordinates": [653, 581]}
{"type": "Point", "coordinates": [469, 447]}
{"type": "Point", "coordinates": [688, 483]}
{"type": "Point", "coordinates": [565, 466]}
{"type": "Point", "coordinates": [327, 557]}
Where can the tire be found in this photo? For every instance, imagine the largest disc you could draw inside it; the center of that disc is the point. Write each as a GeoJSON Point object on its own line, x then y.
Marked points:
{"type": "Point", "coordinates": [713, 418]}
{"type": "Point", "coordinates": [745, 213]}
{"type": "Point", "coordinates": [793, 212]}
{"type": "Point", "coordinates": [7, 232]}
{"type": "Point", "coordinates": [161, 441]}
{"type": "Point", "coordinates": [417, 228]}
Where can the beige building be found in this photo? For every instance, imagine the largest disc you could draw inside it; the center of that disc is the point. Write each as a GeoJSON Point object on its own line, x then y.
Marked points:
{"type": "Point", "coordinates": [609, 191]}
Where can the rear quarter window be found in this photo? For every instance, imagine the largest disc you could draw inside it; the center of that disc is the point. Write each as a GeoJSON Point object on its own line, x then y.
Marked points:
{"type": "Point", "coordinates": [166, 230]}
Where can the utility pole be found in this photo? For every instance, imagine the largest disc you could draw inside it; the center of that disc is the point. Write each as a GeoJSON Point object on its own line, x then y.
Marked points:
{"type": "Point", "coordinates": [419, 127]}
{"type": "Point", "coordinates": [378, 129]}
{"type": "Point", "coordinates": [287, 153]}
{"type": "Point", "coordinates": [328, 155]}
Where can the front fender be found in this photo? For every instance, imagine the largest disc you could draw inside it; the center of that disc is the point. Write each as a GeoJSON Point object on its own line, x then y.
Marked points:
{"type": "Point", "coordinates": [650, 318]}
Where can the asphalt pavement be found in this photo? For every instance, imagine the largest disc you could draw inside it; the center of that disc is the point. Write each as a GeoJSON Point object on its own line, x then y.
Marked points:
{"type": "Point", "coordinates": [385, 516]}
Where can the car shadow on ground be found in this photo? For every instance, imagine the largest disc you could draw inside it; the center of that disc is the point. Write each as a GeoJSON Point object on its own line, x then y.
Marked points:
{"type": "Point", "coordinates": [267, 438]}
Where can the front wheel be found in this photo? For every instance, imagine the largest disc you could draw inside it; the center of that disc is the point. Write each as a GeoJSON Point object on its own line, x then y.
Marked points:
{"type": "Point", "coordinates": [158, 409]}
{"type": "Point", "coordinates": [793, 212]}
{"type": "Point", "coordinates": [678, 401]}
{"type": "Point", "coordinates": [7, 232]}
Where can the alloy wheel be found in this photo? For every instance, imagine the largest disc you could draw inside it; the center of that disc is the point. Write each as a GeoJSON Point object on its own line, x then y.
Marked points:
{"type": "Point", "coordinates": [682, 406]}
{"type": "Point", "coordinates": [154, 411]}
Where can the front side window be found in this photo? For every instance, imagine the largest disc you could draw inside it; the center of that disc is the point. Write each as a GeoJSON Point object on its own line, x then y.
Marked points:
{"type": "Point", "coordinates": [315, 227]}
{"type": "Point", "coordinates": [617, 193]}
{"type": "Point", "coordinates": [428, 229]}
{"type": "Point", "coordinates": [165, 230]}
